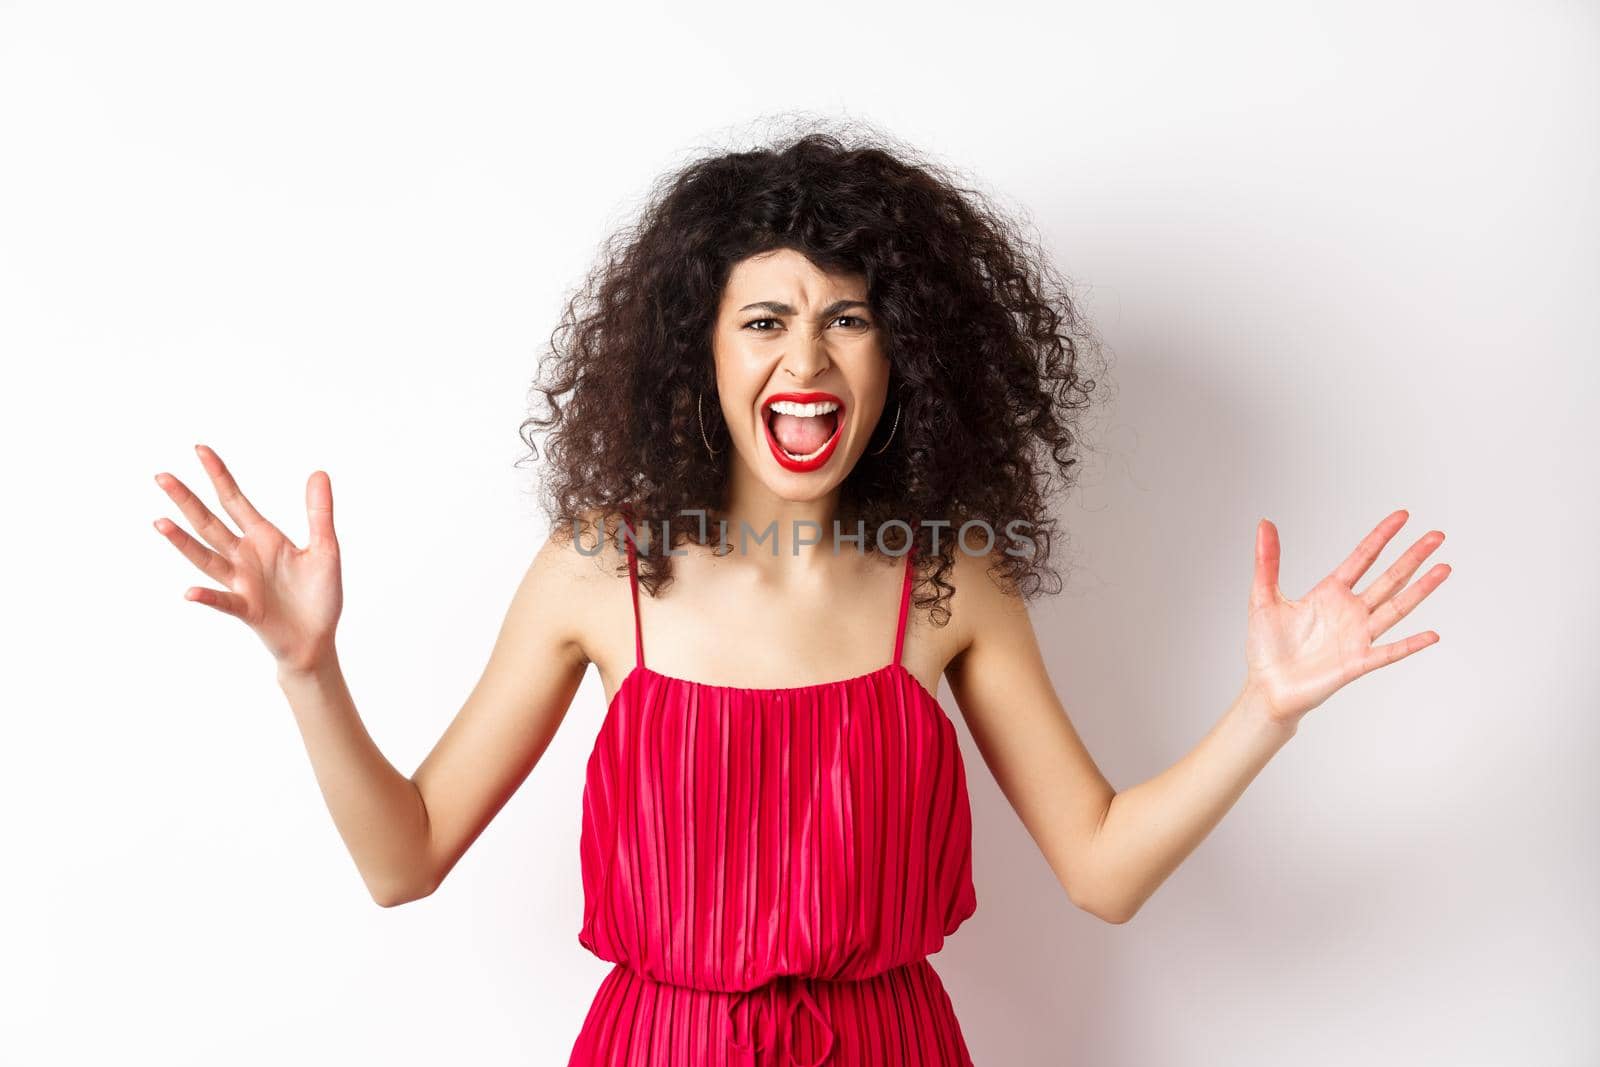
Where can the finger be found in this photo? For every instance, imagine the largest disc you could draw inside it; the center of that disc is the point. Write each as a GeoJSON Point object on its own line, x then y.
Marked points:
{"type": "Point", "coordinates": [233, 501]}
{"type": "Point", "coordinates": [1400, 572]}
{"type": "Point", "coordinates": [1356, 564]}
{"type": "Point", "coordinates": [1264, 588]}
{"type": "Point", "coordinates": [319, 511]}
{"type": "Point", "coordinates": [1394, 651]}
{"type": "Point", "coordinates": [1392, 611]}
{"type": "Point", "coordinates": [224, 601]}
{"type": "Point", "coordinates": [207, 525]}
{"type": "Point", "coordinates": [210, 564]}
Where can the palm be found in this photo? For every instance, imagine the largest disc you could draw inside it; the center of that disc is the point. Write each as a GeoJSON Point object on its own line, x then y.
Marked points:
{"type": "Point", "coordinates": [291, 597]}
{"type": "Point", "coordinates": [1300, 652]}
{"type": "Point", "coordinates": [287, 591]}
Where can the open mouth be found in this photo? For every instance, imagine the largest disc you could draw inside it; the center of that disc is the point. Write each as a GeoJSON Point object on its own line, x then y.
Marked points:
{"type": "Point", "coordinates": [803, 429]}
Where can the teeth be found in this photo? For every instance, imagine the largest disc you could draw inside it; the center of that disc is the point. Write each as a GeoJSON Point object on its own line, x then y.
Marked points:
{"type": "Point", "coordinates": [805, 411]}
{"type": "Point", "coordinates": [808, 455]}
{"type": "Point", "coordinates": [789, 407]}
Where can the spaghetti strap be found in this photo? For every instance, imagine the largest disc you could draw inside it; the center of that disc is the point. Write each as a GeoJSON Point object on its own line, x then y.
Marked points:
{"type": "Point", "coordinates": [633, 586]}
{"type": "Point", "coordinates": [905, 600]}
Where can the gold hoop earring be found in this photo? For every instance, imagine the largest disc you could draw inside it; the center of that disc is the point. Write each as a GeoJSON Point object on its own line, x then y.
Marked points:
{"type": "Point", "coordinates": [892, 429]}
{"type": "Point", "coordinates": [701, 419]}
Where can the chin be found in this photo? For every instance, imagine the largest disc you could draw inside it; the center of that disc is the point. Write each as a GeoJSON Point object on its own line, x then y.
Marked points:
{"type": "Point", "coordinates": [801, 488]}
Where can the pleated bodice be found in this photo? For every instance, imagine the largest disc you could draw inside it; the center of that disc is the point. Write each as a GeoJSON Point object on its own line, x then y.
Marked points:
{"type": "Point", "coordinates": [734, 835]}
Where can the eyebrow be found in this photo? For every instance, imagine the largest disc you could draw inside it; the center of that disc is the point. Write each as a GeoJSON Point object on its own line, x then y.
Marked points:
{"type": "Point", "coordinates": [778, 307]}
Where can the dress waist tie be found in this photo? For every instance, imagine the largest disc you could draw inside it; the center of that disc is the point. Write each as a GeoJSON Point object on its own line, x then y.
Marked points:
{"type": "Point", "coordinates": [747, 1048]}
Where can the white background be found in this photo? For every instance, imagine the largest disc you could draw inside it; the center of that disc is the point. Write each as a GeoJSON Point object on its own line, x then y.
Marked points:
{"type": "Point", "coordinates": [1344, 259]}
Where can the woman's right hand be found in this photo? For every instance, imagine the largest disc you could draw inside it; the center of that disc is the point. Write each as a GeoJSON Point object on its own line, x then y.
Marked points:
{"type": "Point", "coordinates": [291, 597]}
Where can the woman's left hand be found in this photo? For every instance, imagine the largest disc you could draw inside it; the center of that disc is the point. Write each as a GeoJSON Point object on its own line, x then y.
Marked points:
{"type": "Point", "coordinates": [1300, 652]}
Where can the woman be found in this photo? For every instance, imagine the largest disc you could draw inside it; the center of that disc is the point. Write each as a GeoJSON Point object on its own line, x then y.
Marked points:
{"type": "Point", "coordinates": [803, 373]}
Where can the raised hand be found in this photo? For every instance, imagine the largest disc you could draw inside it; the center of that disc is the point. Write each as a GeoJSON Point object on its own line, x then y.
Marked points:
{"type": "Point", "coordinates": [291, 597]}
{"type": "Point", "coordinates": [1299, 652]}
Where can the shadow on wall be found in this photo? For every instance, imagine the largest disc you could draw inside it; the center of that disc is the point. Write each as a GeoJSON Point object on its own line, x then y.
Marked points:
{"type": "Point", "coordinates": [1170, 491]}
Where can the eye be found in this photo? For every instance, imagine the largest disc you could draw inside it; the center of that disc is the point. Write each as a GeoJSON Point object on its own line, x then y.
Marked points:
{"type": "Point", "coordinates": [752, 322]}
{"type": "Point", "coordinates": [853, 318]}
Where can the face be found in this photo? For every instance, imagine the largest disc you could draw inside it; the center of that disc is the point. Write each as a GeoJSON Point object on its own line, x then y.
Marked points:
{"type": "Point", "coordinates": [801, 372]}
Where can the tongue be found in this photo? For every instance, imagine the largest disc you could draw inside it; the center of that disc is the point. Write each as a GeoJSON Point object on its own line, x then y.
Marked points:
{"type": "Point", "coordinates": [802, 435]}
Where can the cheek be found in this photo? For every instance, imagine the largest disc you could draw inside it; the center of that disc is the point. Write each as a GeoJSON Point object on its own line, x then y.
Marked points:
{"type": "Point", "coordinates": [737, 394]}
{"type": "Point", "coordinates": [872, 393]}
{"type": "Point", "coordinates": [736, 377]}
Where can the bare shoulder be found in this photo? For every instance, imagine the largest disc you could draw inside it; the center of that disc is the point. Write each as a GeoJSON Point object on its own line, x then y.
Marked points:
{"type": "Point", "coordinates": [580, 564]}
{"type": "Point", "coordinates": [984, 600]}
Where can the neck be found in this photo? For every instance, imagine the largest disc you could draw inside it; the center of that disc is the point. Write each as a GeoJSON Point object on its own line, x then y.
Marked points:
{"type": "Point", "coordinates": [753, 510]}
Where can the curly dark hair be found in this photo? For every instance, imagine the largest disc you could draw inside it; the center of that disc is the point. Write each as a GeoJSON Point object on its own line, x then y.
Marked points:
{"type": "Point", "coordinates": [984, 346]}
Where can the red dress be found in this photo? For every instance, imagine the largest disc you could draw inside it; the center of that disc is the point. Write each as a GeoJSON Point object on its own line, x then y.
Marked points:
{"type": "Point", "coordinates": [770, 868]}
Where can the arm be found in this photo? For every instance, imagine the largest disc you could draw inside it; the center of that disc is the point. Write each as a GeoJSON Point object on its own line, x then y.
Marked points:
{"type": "Point", "coordinates": [404, 834]}
{"type": "Point", "coordinates": [1112, 850]}
{"type": "Point", "coordinates": [1148, 830]}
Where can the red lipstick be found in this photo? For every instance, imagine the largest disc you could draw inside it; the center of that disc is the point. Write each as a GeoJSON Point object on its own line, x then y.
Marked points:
{"type": "Point", "coordinates": [801, 466]}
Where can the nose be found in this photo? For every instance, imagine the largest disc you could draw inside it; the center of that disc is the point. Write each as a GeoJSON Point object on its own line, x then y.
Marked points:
{"type": "Point", "coordinates": [806, 358]}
